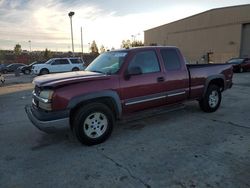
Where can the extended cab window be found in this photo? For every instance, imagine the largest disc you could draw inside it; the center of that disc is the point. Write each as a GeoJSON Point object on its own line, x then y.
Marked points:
{"type": "Point", "coordinates": [147, 61]}
{"type": "Point", "coordinates": [171, 59]}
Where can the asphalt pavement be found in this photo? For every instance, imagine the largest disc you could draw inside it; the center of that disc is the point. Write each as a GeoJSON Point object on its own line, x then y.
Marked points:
{"type": "Point", "coordinates": [181, 148]}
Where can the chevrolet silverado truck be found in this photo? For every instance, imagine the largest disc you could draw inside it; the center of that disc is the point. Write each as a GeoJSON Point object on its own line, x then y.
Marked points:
{"type": "Point", "coordinates": [119, 83]}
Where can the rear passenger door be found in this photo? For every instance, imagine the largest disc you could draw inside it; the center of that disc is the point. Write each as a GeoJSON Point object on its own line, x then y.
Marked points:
{"type": "Point", "coordinates": [60, 65]}
{"type": "Point", "coordinates": [144, 90]}
{"type": "Point", "coordinates": [176, 75]}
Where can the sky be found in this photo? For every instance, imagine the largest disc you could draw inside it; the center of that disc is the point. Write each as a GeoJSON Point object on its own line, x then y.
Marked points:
{"type": "Point", "coordinates": [46, 24]}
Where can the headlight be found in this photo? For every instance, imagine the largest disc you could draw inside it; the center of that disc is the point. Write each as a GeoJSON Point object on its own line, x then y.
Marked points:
{"type": "Point", "coordinates": [44, 99]}
{"type": "Point", "coordinates": [46, 94]}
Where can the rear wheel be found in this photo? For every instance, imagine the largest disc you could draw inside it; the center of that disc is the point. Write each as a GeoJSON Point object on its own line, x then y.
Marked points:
{"type": "Point", "coordinates": [211, 100]}
{"type": "Point", "coordinates": [44, 71]}
{"type": "Point", "coordinates": [75, 69]}
{"type": "Point", "coordinates": [93, 123]}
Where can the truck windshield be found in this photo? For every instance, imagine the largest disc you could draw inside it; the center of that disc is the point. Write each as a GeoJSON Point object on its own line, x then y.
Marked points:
{"type": "Point", "coordinates": [107, 63]}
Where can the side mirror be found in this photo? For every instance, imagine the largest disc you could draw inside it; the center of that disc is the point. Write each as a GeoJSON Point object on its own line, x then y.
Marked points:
{"type": "Point", "coordinates": [132, 71]}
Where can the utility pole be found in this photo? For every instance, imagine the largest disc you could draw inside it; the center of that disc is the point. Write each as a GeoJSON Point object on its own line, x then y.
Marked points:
{"type": "Point", "coordinates": [81, 42]}
{"type": "Point", "coordinates": [30, 44]}
{"type": "Point", "coordinates": [71, 14]}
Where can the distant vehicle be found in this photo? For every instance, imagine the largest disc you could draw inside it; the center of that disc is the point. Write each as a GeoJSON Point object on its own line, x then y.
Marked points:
{"type": "Point", "coordinates": [56, 65]}
{"type": "Point", "coordinates": [2, 68]}
{"type": "Point", "coordinates": [27, 69]}
{"type": "Point", "coordinates": [12, 67]}
{"type": "Point", "coordinates": [240, 64]}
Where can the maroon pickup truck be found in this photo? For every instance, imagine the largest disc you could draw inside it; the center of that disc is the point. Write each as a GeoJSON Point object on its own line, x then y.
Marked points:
{"type": "Point", "coordinates": [118, 83]}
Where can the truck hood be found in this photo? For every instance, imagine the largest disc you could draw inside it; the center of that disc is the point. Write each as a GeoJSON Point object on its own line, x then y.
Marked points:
{"type": "Point", "coordinates": [59, 79]}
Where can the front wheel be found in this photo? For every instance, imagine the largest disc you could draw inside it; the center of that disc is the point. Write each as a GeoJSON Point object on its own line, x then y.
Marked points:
{"type": "Point", "coordinates": [212, 99]}
{"type": "Point", "coordinates": [26, 71]}
{"type": "Point", "coordinates": [44, 71]}
{"type": "Point", "coordinates": [93, 123]}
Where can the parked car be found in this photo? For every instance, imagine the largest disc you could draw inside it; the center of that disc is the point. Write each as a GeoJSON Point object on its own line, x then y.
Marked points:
{"type": "Point", "coordinates": [12, 67]}
{"type": "Point", "coordinates": [56, 65]}
{"type": "Point", "coordinates": [27, 69]}
{"type": "Point", "coordinates": [240, 64]}
{"type": "Point", "coordinates": [122, 82]}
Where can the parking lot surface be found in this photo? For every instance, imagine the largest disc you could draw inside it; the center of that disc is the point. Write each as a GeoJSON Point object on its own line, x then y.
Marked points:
{"type": "Point", "coordinates": [181, 148]}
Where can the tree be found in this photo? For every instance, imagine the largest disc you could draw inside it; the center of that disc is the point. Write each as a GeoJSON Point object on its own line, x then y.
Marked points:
{"type": "Point", "coordinates": [102, 49]}
{"type": "Point", "coordinates": [137, 43]}
{"type": "Point", "coordinates": [93, 48]}
{"type": "Point", "coordinates": [47, 54]}
{"type": "Point", "coordinates": [126, 44]}
{"type": "Point", "coordinates": [17, 49]}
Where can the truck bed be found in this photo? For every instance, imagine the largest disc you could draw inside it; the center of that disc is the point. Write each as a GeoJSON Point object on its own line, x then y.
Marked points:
{"type": "Point", "coordinates": [200, 73]}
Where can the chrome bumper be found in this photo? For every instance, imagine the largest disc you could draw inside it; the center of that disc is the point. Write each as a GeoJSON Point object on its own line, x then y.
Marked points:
{"type": "Point", "coordinates": [51, 126]}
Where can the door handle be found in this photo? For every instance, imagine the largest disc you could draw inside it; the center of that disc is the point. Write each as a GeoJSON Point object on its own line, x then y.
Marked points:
{"type": "Point", "coordinates": [160, 79]}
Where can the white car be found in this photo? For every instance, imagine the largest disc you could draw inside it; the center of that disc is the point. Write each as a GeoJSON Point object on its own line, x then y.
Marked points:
{"type": "Point", "coordinates": [55, 65]}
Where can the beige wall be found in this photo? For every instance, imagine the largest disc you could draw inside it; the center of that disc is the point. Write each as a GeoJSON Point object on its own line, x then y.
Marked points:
{"type": "Point", "coordinates": [217, 31]}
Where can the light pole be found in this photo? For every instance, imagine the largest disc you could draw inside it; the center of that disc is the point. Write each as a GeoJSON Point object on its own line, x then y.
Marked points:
{"type": "Point", "coordinates": [70, 16]}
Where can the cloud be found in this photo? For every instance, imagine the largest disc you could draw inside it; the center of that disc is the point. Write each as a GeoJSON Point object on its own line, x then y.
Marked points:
{"type": "Point", "coordinates": [107, 21]}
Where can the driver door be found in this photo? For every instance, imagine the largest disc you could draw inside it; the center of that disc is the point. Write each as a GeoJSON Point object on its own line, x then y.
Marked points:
{"type": "Point", "coordinates": [144, 90]}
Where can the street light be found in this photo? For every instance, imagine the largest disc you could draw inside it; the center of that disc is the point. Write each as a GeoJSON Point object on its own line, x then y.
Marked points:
{"type": "Point", "coordinates": [70, 16]}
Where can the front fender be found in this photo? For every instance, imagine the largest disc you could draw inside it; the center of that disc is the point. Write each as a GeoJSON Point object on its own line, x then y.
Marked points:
{"type": "Point", "coordinates": [96, 95]}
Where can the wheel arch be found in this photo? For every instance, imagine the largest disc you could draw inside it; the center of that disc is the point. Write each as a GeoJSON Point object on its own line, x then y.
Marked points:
{"type": "Point", "coordinates": [75, 68]}
{"type": "Point", "coordinates": [218, 80]}
{"type": "Point", "coordinates": [110, 98]}
{"type": "Point", "coordinates": [44, 68]}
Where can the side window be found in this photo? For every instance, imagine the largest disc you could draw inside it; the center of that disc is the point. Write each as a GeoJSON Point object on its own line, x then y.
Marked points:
{"type": "Point", "coordinates": [64, 61]}
{"type": "Point", "coordinates": [60, 62]}
{"type": "Point", "coordinates": [56, 62]}
{"type": "Point", "coordinates": [171, 59]}
{"type": "Point", "coordinates": [76, 61]}
{"type": "Point", "coordinates": [147, 61]}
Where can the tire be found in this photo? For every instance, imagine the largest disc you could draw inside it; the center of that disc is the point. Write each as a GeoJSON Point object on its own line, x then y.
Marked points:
{"type": "Point", "coordinates": [26, 71]}
{"type": "Point", "coordinates": [211, 100]}
{"type": "Point", "coordinates": [93, 123]}
{"type": "Point", "coordinates": [44, 71]}
{"type": "Point", "coordinates": [75, 69]}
